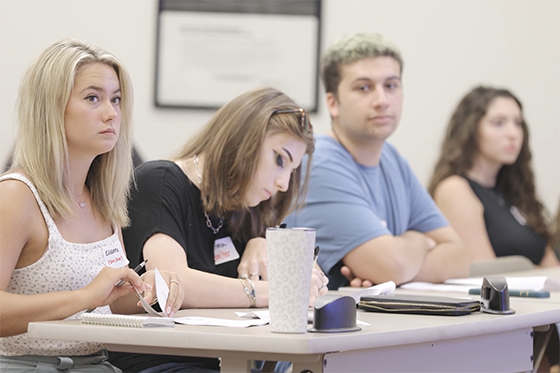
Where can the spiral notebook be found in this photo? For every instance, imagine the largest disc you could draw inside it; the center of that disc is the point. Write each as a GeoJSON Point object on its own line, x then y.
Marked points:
{"type": "Point", "coordinates": [131, 321]}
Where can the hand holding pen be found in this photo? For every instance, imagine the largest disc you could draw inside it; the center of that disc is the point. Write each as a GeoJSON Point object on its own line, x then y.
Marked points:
{"type": "Point", "coordinates": [114, 272]}
{"type": "Point", "coordinates": [315, 255]}
{"type": "Point", "coordinates": [136, 269]}
{"type": "Point", "coordinates": [324, 279]}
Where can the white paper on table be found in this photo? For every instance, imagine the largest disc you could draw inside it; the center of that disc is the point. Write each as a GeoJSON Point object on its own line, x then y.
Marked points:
{"type": "Point", "coordinates": [381, 289]}
{"type": "Point", "coordinates": [265, 315]}
{"type": "Point", "coordinates": [209, 321]}
{"type": "Point", "coordinates": [262, 315]}
{"type": "Point", "coordinates": [517, 283]}
{"type": "Point", "coordinates": [162, 292]}
{"type": "Point", "coordinates": [438, 287]}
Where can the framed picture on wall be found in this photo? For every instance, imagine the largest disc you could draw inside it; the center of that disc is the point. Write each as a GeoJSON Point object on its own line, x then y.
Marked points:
{"type": "Point", "coordinates": [209, 51]}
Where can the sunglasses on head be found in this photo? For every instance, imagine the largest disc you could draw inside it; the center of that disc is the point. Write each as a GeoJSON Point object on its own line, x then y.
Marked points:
{"type": "Point", "coordinates": [305, 123]}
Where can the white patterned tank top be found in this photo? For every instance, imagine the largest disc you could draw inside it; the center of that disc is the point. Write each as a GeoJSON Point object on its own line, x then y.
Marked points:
{"type": "Point", "coordinates": [64, 266]}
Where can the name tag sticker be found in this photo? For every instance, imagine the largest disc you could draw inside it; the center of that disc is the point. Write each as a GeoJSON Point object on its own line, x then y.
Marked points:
{"type": "Point", "coordinates": [224, 251]}
{"type": "Point", "coordinates": [517, 215]}
{"type": "Point", "coordinates": [114, 257]}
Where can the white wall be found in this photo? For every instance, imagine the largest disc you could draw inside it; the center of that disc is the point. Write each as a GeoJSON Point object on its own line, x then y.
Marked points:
{"type": "Point", "coordinates": [448, 46]}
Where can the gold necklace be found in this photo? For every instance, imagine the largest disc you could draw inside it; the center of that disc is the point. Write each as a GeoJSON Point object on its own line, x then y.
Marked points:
{"type": "Point", "coordinates": [208, 222]}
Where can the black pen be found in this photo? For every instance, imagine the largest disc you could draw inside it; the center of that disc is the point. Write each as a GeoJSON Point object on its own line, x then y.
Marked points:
{"type": "Point", "coordinates": [315, 255]}
{"type": "Point", "coordinates": [136, 269]}
{"type": "Point", "coordinates": [122, 282]}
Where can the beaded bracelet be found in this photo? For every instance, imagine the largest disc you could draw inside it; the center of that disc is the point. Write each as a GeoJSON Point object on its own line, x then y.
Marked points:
{"type": "Point", "coordinates": [250, 292]}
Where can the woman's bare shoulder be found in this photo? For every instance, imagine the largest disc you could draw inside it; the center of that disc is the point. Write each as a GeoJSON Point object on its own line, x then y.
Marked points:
{"type": "Point", "coordinates": [453, 184]}
{"type": "Point", "coordinates": [454, 188]}
{"type": "Point", "coordinates": [17, 200]}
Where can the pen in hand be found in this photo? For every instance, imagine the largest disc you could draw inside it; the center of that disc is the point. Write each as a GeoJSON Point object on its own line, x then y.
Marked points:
{"type": "Point", "coordinates": [136, 269]}
{"type": "Point", "coordinates": [122, 282]}
{"type": "Point", "coordinates": [315, 255]}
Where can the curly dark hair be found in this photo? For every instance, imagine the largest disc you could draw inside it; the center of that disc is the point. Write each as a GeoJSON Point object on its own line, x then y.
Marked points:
{"type": "Point", "coordinates": [460, 145]}
{"type": "Point", "coordinates": [555, 235]}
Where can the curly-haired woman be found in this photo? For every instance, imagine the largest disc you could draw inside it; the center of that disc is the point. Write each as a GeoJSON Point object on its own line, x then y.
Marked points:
{"type": "Point", "coordinates": [483, 181]}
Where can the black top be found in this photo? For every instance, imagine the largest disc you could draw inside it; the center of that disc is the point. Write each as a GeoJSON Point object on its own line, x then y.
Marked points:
{"type": "Point", "coordinates": [506, 228]}
{"type": "Point", "coordinates": [166, 201]}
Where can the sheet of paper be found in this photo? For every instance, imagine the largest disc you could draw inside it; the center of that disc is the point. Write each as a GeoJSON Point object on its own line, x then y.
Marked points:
{"type": "Point", "coordinates": [209, 321]}
{"type": "Point", "coordinates": [515, 283]}
{"type": "Point", "coordinates": [162, 291]}
{"type": "Point", "coordinates": [381, 289]}
{"type": "Point", "coordinates": [437, 287]}
{"type": "Point", "coordinates": [265, 315]}
{"type": "Point", "coordinates": [262, 314]}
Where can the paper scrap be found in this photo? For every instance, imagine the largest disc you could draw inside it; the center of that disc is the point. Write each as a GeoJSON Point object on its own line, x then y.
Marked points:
{"type": "Point", "coordinates": [381, 289]}
{"type": "Point", "coordinates": [162, 291]}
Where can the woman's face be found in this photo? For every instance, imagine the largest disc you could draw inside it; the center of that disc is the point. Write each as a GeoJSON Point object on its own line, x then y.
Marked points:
{"type": "Point", "coordinates": [500, 134]}
{"type": "Point", "coordinates": [93, 114]}
{"type": "Point", "coordinates": [281, 154]}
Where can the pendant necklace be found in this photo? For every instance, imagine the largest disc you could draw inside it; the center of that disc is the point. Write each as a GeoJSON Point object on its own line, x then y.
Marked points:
{"type": "Point", "coordinates": [208, 222]}
{"type": "Point", "coordinates": [81, 204]}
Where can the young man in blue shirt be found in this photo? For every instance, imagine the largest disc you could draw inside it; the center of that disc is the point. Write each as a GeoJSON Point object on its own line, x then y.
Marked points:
{"type": "Point", "coordinates": [373, 218]}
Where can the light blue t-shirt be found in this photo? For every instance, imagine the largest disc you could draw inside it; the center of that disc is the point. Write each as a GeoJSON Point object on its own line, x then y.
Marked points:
{"type": "Point", "coordinates": [349, 204]}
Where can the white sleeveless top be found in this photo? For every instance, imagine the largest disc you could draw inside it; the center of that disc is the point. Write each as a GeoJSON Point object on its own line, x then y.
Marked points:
{"type": "Point", "coordinates": [64, 266]}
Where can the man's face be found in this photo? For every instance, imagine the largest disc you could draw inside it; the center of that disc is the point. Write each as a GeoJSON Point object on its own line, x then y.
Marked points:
{"type": "Point", "coordinates": [369, 103]}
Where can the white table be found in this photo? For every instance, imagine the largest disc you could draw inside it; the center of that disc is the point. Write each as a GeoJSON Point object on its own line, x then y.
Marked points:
{"type": "Point", "coordinates": [397, 343]}
{"type": "Point", "coordinates": [552, 272]}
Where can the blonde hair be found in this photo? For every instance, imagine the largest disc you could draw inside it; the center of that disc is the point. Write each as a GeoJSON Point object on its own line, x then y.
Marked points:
{"type": "Point", "coordinates": [232, 141]}
{"type": "Point", "coordinates": [352, 48]}
{"type": "Point", "coordinates": [41, 149]}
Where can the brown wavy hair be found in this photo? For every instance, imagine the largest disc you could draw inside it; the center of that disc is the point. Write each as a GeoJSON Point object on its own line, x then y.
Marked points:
{"type": "Point", "coordinates": [232, 141]}
{"type": "Point", "coordinates": [460, 145]}
{"type": "Point", "coordinates": [555, 236]}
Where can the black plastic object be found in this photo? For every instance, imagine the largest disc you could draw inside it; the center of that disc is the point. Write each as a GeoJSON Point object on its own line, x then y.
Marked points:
{"type": "Point", "coordinates": [494, 296]}
{"type": "Point", "coordinates": [334, 314]}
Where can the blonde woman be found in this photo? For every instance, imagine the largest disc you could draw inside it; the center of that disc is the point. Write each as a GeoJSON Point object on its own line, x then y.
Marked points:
{"type": "Point", "coordinates": [203, 214]}
{"type": "Point", "coordinates": [62, 205]}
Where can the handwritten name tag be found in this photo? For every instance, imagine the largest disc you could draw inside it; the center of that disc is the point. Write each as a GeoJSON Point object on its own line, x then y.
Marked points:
{"type": "Point", "coordinates": [224, 251]}
{"type": "Point", "coordinates": [114, 256]}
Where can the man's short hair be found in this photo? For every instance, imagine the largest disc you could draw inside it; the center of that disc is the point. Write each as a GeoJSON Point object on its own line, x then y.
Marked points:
{"type": "Point", "coordinates": [351, 48]}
